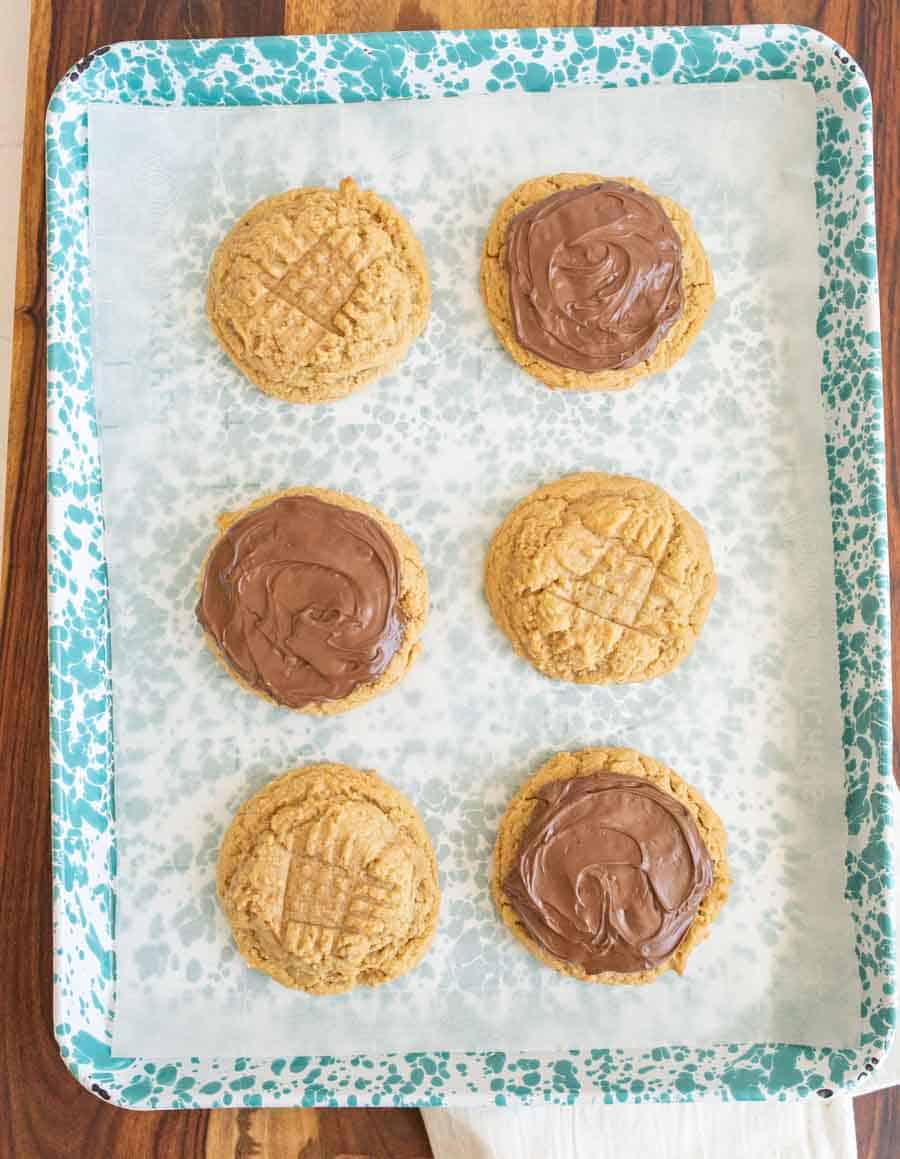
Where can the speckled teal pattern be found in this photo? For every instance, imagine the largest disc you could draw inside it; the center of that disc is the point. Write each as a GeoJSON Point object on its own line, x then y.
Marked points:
{"type": "Point", "coordinates": [324, 69]}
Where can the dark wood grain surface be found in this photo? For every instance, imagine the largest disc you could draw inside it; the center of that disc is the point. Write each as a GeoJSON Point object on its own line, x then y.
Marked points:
{"type": "Point", "coordinates": [44, 1113]}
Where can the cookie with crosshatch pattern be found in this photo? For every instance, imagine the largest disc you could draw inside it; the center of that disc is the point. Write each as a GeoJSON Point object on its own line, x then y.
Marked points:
{"type": "Point", "coordinates": [328, 879]}
{"type": "Point", "coordinates": [600, 579]}
{"type": "Point", "coordinates": [315, 292]}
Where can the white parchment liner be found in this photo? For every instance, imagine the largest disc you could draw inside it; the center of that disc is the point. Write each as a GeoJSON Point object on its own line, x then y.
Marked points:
{"type": "Point", "coordinates": [446, 446]}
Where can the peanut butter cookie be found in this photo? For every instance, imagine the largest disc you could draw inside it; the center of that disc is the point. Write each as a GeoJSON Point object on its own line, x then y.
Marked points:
{"type": "Point", "coordinates": [313, 600]}
{"type": "Point", "coordinates": [592, 283]}
{"type": "Point", "coordinates": [600, 579]}
{"type": "Point", "coordinates": [609, 867]}
{"type": "Point", "coordinates": [328, 880]}
{"type": "Point", "coordinates": [315, 292]}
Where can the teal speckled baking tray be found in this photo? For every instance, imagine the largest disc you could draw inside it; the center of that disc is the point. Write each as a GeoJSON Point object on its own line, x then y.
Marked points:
{"type": "Point", "coordinates": [425, 65]}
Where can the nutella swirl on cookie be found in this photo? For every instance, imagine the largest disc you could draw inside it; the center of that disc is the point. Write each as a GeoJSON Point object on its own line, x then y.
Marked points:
{"type": "Point", "coordinates": [595, 276]}
{"type": "Point", "coordinates": [302, 599]}
{"type": "Point", "coordinates": [609, 874]}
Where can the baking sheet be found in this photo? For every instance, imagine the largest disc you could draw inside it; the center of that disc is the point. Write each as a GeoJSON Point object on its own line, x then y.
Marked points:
{"type": "Point", "coordinates": [446, 446]}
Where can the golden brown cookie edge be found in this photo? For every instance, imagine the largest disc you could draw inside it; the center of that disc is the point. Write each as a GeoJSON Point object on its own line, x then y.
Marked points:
{"type": "Point", "coordinates": [499, 556]}
{"type": "Point", "coordinates": [564, 766]}
{"type": "Point", "coordinates": [312, 388]}
{"type": "Point", "coordinates": [241, 833]}
{"type": "Point", "coordinates": [413, 599]}
{"type": "Point", "coordinates": [699, 291]}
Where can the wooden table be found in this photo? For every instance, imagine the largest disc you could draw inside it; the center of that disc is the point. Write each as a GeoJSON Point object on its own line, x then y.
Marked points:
{"type": "Point", "coordinates": [43, 1112]}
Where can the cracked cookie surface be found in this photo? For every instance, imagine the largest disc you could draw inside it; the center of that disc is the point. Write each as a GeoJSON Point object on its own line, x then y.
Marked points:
{"type": "Point", "coordinates": [697, 287]}
{"type": "Point", "coordinates": [328, 879]}
{"type": "Point", "coordinates": [315, 292]}
{"type": "Point", "coordinates": [600, 579]}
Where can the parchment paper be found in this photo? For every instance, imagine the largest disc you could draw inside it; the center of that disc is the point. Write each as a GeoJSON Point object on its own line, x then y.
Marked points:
{"type": "Point", "coordinates": [446, 446]}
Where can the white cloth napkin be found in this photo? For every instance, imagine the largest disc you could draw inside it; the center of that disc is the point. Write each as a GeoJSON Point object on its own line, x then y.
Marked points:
{"type": "Point", "coordinates": [813, 1129]}
{"type": "Point", "coordinates": [809, 1130]}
